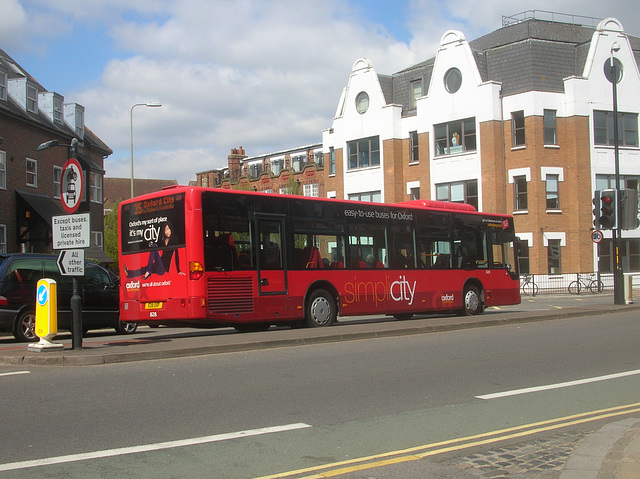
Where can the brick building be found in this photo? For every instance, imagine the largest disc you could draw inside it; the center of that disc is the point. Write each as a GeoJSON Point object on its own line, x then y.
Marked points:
{"type": "Point", "coordinates": [518, 121]}
{"type": "Point", "coordinates": [298, 171]}
{"type": "Point", "coordinates": [30, 179]}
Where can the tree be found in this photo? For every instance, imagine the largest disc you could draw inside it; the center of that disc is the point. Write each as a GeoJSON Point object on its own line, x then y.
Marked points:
{"type": "Point", "coordinates": [111, 234]}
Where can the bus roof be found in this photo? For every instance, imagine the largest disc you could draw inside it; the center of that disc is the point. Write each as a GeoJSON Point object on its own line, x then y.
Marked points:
{"type": "Point", "coordinates": [429, 204]}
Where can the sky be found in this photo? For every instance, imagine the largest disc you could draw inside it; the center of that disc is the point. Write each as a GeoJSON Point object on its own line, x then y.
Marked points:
{"type": "Point", "coordinates": [262, 74]}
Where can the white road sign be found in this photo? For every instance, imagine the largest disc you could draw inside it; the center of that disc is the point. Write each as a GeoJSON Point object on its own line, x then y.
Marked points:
{"type": "Point", "coordinates": [71, 231]}
{"type": "Point", "coordinates": [71, 262]}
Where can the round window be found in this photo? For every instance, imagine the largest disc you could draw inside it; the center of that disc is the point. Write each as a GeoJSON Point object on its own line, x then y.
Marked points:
{"type": "Point", "coordinates": [362, 102]}
{"type": "Point", "coordinates": [608, 71]}
{"type": "Point", "coordinates": [453, 80]}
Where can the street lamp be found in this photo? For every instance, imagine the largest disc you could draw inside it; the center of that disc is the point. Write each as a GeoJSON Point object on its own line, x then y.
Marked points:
{"type": "Point", "coordinates": [148, 104]}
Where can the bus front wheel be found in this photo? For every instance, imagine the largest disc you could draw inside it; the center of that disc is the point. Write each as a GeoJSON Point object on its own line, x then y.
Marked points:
{"type": "Point", "coordinates": [472, 302]}
{"type": "Point", "coordinates": [321, 309]}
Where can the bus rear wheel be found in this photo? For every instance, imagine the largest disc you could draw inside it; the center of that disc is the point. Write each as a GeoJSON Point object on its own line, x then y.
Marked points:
{"type": "Point", "coordinates": [472, 302]}
{"type": "Point", "coordinates": [321, 309]}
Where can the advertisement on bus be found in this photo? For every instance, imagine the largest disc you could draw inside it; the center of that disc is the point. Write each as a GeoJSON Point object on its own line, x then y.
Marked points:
{"type": "Point", "coordinates": [153, 248]}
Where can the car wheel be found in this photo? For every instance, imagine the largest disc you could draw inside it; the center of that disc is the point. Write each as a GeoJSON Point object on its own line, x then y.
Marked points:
{"type": "Point", "coordinates": [125, 327]}
{"type": "Point", "coordinates": [25, 328]}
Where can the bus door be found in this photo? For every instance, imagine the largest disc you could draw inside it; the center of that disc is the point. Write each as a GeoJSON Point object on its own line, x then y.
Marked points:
{"type": "Point", "coordinates": [272, 275]}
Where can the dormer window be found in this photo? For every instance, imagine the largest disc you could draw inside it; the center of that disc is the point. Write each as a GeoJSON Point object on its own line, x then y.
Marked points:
{"type": "Point", "coordinates": [57, 111]}
{"type": "Point", "coordinates": [74, 118]}
{"type": "Point", "coordinates": [3, 85]}
{"type": "Point", "coordinates": [32, 99]}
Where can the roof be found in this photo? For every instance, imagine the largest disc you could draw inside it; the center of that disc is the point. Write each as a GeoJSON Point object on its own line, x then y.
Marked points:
{"type": "Point", "coordinates": [41, 204]}
{"type": "Point", "coordinates": [118, 189]}
{"type": "Point", "coordinates": [11, 108]}
{"type": "Point", "coordinates": [532, 55]}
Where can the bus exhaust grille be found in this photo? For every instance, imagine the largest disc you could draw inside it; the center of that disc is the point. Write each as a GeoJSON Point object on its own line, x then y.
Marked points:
{"type": "Point", "coordinates": [230, 295]}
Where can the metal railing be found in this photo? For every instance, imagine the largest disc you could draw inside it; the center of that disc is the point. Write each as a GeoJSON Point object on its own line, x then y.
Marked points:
{"type": "Point", "coordinates": [550, 16]}
{"type": "Point", "coordinates": [570, 283]}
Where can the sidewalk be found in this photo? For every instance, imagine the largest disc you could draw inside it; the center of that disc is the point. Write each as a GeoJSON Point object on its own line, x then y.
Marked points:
{"type": "Point", "coordinates": [613, 452]}
{"type": "Point", "coordinates": [166, 344]}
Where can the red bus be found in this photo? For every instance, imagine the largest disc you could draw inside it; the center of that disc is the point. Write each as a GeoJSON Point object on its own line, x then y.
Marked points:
{"type": "Point", "coordinates": [215, 257]}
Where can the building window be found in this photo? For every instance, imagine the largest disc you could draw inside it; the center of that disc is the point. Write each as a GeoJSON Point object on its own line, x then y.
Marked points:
{"type": "Point", "coordinates": [32, 99]}
{"type": "Point", "coordinates": [95, 184]}
{"type": "Point", "coordinates": [57, 178]}
{"type": "Point", "coordinates": [96, 238]}
{"type": "Point", "coordinates": [415, 193]}
{"type": "Point", "coordinates": [3, 239]}
{"type": "Point", "coordinates": [364, 153]}
{"type": "Point", "coordinates": [57, 111]}
{"type": "Point", "coordinates": [311, 190]}
{"type": "Point", "coordinates": [455, 137]}
{"type": "Point", "coordinates": [453, 80]}
{"type": "Point", "coordinates": [627, 128]}
{"type": "Point", "coordinates": [32, 173]}
{"type": "Point", "coordinates": [517, 128]}
{"type": "Point", "coordinates": [523, 257]}
{"type": "Point", "coordinates": [3, 170]}
{"type": "Point", "coordinates": [520, 190]}
{"type": "Point", "coordinates": [3, 85]}
{"type": "Point", "coordinates": [277, 166]}
{"type": "Point", "coordinates": [604, 182]}
{"type": "Point", "coordinates": [459, 192]}
{"type": "Point", "coordinates": [362, 102]}
{"type": "Point", "coordinates": [332, 161]}
{"type": "Point", "coordinates": [413, 145]}
{"type": "Point", "coordinates": [553, 256]}
{"type": "Point", "coordinates": [416, 92]}
{"type": "Point", "coordinates": [552, 189]}
{"type": "Point", "coordinates": [550, 130]}
{"type": "Point", "coordinates": [79, 122]}
{"type": "Point", "coordinates": [297, 162]}
{"type": "Point", "coordinates": [255, 170]}
{"type": "Point", "coordinates": [318, 158]}
{"type": "Point", "coordinates": [369, 196]}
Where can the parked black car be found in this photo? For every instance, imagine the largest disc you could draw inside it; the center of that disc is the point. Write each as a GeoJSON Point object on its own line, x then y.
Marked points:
{"type": "Point", "coordinates": [98, 289]}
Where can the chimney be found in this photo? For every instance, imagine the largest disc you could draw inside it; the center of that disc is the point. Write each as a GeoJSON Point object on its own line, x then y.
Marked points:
{"type": "Point", "coordinates": [235, 159]}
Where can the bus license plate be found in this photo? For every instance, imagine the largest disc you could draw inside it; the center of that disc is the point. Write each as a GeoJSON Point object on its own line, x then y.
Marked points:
{"type": "Point", "coordinates": [156, 305]}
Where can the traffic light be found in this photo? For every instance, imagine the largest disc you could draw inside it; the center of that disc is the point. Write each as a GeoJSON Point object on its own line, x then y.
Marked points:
{"type": "Point", "coordinates": [629, 209]}
{"type": "Point", "coordinates": [596, 209]}
{"type": "Point", "coordinates": [608, 218]}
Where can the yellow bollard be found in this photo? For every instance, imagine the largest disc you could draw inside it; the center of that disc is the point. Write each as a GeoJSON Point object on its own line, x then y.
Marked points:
{"type": "Point", "coordinates": [46, 315]}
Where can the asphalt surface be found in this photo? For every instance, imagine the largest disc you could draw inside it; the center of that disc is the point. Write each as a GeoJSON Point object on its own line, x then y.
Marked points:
{"type": "Point", "coordinates": [610, 452]}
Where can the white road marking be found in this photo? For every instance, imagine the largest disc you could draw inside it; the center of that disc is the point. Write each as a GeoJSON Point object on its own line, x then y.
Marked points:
{"type": "Point", "coordinates": [149, 447]}
{"type": "Point", "coordinates": [567, 384]}
{"type": "Point", "coordinates": [15, 373]}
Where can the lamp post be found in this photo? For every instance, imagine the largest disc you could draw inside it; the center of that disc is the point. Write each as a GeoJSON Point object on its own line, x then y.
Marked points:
{"type": "Point", "coordinates": [76, 299]}
{"type": "Point", "coordinates": [618, 274]}
{"type": "Point", "coordinates": [148, 104]}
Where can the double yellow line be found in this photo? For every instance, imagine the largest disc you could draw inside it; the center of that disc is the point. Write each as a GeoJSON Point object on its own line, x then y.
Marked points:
{"type": "Point", "coordinates": [420, 452]}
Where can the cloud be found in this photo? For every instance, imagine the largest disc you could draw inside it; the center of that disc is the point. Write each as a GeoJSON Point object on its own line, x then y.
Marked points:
{"type": "Point", "coordinates": [13, 21]}
{"type": "Point", "coordinates": [262, 75]}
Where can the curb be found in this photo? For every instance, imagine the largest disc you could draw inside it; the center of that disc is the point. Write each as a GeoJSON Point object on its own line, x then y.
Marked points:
{"type": "Point", "coordinates": [261, 341]}
{"type": "Point", "coordinates": [602, 451]}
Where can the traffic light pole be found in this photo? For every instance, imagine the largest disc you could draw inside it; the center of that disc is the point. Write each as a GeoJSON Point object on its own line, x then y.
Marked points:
{"type": "Point", "coordinates": [618, 274]}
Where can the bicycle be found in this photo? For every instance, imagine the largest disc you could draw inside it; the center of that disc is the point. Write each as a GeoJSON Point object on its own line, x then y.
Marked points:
{"type": "Point", "coordinates": [528, 285]}
{"type": "Point", "coordinates": [594, 285]}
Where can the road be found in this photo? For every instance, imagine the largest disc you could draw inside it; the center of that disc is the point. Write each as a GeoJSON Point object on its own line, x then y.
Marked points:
{"type": "Point", "coordinates": [258, 413]}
